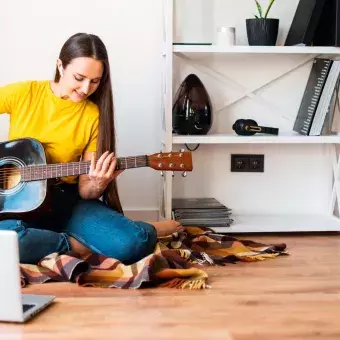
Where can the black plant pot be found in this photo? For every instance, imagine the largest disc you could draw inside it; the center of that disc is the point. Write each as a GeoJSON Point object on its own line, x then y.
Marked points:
{"type": "Point", "coordinates": [262, 32]}
{"type": "Point", "coordinates": [192, 109]}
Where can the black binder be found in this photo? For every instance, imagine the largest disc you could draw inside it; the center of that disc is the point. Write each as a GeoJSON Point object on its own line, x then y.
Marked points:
{"type": "Point", "coordinates": [315, 84]}
{"type": "Point", "coordinates": [305, 22]}
{"type": "Point", "coordinates": [327, 32]}
{"type": "Point", "coordinates": [315, 23]}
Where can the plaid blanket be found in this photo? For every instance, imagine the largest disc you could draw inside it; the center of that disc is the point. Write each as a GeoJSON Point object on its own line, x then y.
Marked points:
{"type": "Point", "coordinates": [177, 261]}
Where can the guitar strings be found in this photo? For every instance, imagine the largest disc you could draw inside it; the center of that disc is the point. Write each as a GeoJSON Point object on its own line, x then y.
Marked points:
{"type": "Point", "coordinates": [140, 160]}
{"type": "Point", "coordinates": [54, 171]}
{"type": "Point", "coordinates": [7, 174]}
{"type": "Point", "coordinates": [122, 164]}
{"type": "Point", "coordinates": [39, 168]}
{"type": "Point", "coordinates": [26, 171]}
{"type": "Point", "coordinates": [50, 174]}
{"type": "Point", "coordinates": [121, 160]}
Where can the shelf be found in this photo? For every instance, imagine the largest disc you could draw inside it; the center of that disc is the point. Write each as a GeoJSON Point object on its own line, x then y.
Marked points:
{"type": "Point", "coordinates": [256, 139]}
{"type": "Point", "coordinates": [213, 49]}
{"type": "Point", "coordinates": [281, 223]}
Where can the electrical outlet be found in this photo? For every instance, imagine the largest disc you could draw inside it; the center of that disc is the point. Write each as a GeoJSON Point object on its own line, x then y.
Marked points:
{"type": "Point", "coordinates": [239, 163]}
{"type": "Point", "coordinates": [247, 163]}
{"type": "Point", "coordinates": [256, 163]}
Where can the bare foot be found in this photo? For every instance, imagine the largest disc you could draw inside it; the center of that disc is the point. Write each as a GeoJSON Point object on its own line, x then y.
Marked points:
{"type": "Point", "coordinates": [78, 247]}
{"type": "Point", "coordinates": [165, 228]}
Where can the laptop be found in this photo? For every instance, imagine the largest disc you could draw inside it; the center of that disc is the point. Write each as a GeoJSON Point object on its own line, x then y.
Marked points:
{"type": "Point", "coordinates": [15, 306]}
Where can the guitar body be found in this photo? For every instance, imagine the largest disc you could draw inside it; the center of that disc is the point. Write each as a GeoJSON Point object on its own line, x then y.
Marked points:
{"type": "Point", "coordinates": [18, 197]}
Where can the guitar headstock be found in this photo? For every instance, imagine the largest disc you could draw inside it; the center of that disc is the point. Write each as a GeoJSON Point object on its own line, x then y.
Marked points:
{"type": "Point", "coordinates": [171, 161]}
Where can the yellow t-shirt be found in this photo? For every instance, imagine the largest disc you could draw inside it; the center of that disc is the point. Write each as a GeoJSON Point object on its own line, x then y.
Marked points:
{"type": "Point", "coordinates": [65, 129]}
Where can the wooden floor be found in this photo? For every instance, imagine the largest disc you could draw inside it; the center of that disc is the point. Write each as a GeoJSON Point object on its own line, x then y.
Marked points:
{"type": "Point", "coordinates": [294, 297]}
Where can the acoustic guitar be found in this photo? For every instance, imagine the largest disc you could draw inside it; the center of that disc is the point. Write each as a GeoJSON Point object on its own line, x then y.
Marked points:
{"type": "Point", "coordinates": [24, 173]}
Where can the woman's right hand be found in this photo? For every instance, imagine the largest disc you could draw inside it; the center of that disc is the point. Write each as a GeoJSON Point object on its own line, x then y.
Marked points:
{"type": "Point", "coordinates": [104, 170]}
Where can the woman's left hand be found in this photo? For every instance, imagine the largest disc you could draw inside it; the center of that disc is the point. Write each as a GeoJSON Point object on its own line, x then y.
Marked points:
{"type": "Point", "coordinates": [103, 172]}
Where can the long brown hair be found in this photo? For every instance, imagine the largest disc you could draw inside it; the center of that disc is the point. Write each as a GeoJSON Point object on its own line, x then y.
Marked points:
{"type": "Point", "coordinates": [89, 45]}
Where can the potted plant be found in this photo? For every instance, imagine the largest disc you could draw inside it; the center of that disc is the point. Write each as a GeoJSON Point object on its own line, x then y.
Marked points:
{"type": "Point", "coordinates": [261, 30]}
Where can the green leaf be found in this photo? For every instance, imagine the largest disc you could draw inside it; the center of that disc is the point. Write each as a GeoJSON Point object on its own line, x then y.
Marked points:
{"type": "Point", "coordinates": [259, 8]}
{"type": "Point", "coordinates": [269, 7]}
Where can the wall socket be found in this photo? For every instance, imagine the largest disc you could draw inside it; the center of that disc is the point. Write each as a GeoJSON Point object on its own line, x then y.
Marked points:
{"type": "Point", "coordinates": [247, 163]}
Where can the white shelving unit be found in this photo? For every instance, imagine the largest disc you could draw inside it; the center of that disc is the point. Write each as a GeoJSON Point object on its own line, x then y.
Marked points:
{"type": "Point", "coordinates": [244, 223]}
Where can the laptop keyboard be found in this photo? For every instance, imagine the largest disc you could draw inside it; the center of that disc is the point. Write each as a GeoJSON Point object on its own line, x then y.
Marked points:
{"type": "Point", "coordinates": [27, 307]}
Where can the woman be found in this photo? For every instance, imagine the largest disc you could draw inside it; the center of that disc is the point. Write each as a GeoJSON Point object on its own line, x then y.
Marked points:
{"type": "Point", "coordinates": [72, 117]}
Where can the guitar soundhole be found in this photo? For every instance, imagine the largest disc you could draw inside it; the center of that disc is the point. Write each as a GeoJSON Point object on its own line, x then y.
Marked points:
{"type": "Point", "coordinates": [9, 176]}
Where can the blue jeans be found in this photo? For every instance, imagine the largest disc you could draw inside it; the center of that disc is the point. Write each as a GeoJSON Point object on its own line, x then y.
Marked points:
{"type": "Point", "coordinates": [91, 222]}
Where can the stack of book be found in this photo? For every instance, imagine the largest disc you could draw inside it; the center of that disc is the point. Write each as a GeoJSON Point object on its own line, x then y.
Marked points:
{"type": "Point", "coordinates": [320, 98]}
{"type": "Point", "coordinates": [203, 212]}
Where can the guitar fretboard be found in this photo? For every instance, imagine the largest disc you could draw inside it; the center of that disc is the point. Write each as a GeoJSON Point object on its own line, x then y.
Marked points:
{"type": "Point", "coordinates": [40, 172]}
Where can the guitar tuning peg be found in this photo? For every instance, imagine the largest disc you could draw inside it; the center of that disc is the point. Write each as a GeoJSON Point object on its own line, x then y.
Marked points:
{"type": "Point", "coordinates": [162, 173]}
{"type": "Point", "coordinates": [181, 150]}
{"type": "Point", "coordinates": [173, 174]}
{"type": "Point", "coordinates": [184, 174]}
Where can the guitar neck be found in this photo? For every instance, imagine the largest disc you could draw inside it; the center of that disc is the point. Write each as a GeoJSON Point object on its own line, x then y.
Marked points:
{"type": "Point", "coordinates": [40, 172]}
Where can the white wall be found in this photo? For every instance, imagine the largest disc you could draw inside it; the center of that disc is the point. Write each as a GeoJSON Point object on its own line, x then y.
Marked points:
{"type": "Point", "coordinates": [32, 33]}
{"type": "Point", "coordinates": [297, 178]}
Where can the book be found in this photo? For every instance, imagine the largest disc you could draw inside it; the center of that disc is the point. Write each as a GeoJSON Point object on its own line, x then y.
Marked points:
{"type": "Point", "coordinates": [305, 22]}
{"type": "Point", "coordinates": [204, 212]}
{"type": "Point", "coordinates": [196, 203]}
{"type": "Point", "coordinates": [315, 23]}
{"type": "Point", "coordinates": [325, 102]}
{"type": "Point", "coordinates": [327, 32]}
{"type": "Point", "coordinates": [331, 116]}
{"type": "Point", "coordinates": [311, 97]}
